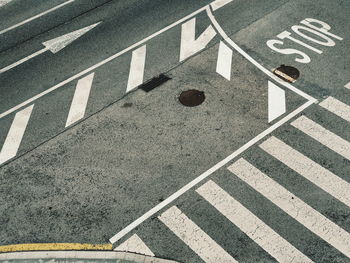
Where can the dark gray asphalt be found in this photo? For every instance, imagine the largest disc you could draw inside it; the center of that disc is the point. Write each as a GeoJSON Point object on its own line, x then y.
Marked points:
{"type": "Point", "coordinates": [88, 182]}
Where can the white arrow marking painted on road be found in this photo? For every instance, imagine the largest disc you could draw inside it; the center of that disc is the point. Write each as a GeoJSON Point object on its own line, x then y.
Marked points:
{"type": "Point", "coordinates": [224, 63]}
{"type": "Point", "coordinates": [4, 2]}
{"type": "Point", "coordinates": [80, 100]}
{"type": "Point", "coordinates": [35, 17]}
{"type": "Point", "coordinates": [347, 86]}
{"type": "Point", "coordinates": [137, 68]}
{"type": "Point", "coordinates": [219, 3]}
{"type": "Point", "coordinates": [54, 45]}
{"type": "Point", "coordinates": [190, 45]}
{"type": "Point", "coordinates": [15, 134]}
{"type": "Point", "coordinates": [135, 245]}
{"type": "Point", "coordinates": [276, 101]}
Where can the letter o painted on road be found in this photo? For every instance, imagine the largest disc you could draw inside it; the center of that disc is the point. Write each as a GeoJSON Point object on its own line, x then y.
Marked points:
{"type": "Point", "coordinates": [328, 41]}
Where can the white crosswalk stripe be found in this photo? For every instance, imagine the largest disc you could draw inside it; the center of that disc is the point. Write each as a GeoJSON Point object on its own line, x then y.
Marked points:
{"type": "Point", "coordinates": [293, 206]}
{"type": "Point", "coordinates": [251, 225]}
{"type": "Point", "coordinates": [15, 134]}
{"type": "Point", "coordinates": [224, 62]}
{"type": "Point", "coordinates": [137, 68]}
{"type": "Point", "coordinates": [324, 136]}
{"type": "Point", "coordinates": [80, 100]}
{"type": "Point", "coordinates": [337, 107]}
{"type": "Point", "coordinates": [312, 171]}
{"type": "Point", "coordinates": [185, 229]}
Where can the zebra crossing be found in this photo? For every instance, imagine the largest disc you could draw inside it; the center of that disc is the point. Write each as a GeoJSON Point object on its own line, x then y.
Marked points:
{"type": "Point", "coordinates": [281, 247]}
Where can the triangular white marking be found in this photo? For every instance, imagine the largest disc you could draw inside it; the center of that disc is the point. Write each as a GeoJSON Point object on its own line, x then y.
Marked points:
{"type": "Point", "coordinates": [190, 45]}
{"type": "Point", "coordinates": [347, 86]}
{"type": "Point", "coordinates": [136, 245]}
{"type": "Point", "coordinates": [58, 43]}
{"type": "Point", "coordinates": [276, 101]}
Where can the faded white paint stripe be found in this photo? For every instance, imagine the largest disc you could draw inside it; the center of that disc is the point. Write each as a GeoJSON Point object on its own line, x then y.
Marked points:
{"type": "Point", "coordinates": [293, 206]}
{"type": "Point", "coordinates": [193, 236]}
{"type": "Point", "coordinates": [135, 245]}
{"type": "Point", "coordinates": [204, 175]}
{"type": "Point", "coordinates": [224, 62]}
{"type": "Point", "coordinates": [4, 2]}
{"type": "Point", "coordinates": [137, 68]}
{"type": "Point", "coordinates": [337, 107]}
{"type": "Point", "coordinates": [252, 226]}
{"type": "Point", "coordinates": [311, 170]}
{"type": "Point", "coordinates": [347, 85]}
{"type": "Point", "coordinates": [35, 17]}
{"type": "Point", "coordinates": [80, 100]}
{"type": "Point", "coordinates": [219, 3]}
{"type": "Point", "coordinates": [324, 136]}
{"type": "Point", "coordinates": [276, 101]}
{"type": "Point", "coordinates": [15, 134]}
{"type": "Point", "coordinates": [189, 44]}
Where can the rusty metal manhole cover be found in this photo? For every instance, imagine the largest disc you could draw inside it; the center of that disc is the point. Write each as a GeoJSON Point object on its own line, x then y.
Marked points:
{"type": "Point", "coordinates": [287, 73]}
{"type": "Point", "coordinates": [191, 98]}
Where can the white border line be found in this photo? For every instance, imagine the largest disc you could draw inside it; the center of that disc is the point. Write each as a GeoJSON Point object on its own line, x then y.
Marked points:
{"type": "Point", "coordinates": [35, 17]}
{"type": "Point", "coordinates": [207, 173]}
{"type": "Point", "coordinates": [78, 75]}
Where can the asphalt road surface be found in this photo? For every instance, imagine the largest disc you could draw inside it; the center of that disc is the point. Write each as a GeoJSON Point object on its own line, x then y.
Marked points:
{"type": "Point", "coordinates": [96, 147]}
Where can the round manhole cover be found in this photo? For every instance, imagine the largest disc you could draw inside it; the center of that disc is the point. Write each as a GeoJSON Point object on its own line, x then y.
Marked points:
{"type": "Point", "coordinates": [287, 73]}
{"type": "Point", "coordinates": [191, 98]}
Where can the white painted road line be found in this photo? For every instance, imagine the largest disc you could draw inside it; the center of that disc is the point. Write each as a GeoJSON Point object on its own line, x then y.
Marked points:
{"type": "Point", "coordinates": [54, 45]}
{"type": "Point", "coordinates": [347, 86]}
{"type": "Point", "coordinates": [4, 2]}
{"type": "Point", "coordinates": [253, 61]}
{"type": "Point", "coordinates": [35, 17]}
{"type": "Point", "coordinates": [309, 169]}
{"type": "Point", "coordinates": [337, 107]}
{"type": "Point", "coordinates": [189, 44]}
{"type": "Point", "coordinates": [224, 62]}
{"type": "Point", "coordinates": [252, 226]}
{"type": "Point", "coordinates": [324, 136]}
{"type": "Point", "coordinates": [276, 101]}
{"type": "Point", "coordinates": [84, 72]}
{"type": "Point", "coordinates": [193, 236]}
{"type": "Point", "coordinates": [207, 173]}
{"type": "Point", "coordinates": [293, 206]}
{"type": "Point", "coordinates": [137, 68]}
{"type": "Point", "coordinates": [135, 245]}
{"type": "Point", "coordinates": [219, 3]}
{"type": "Point", "coordinates": [80, 100]}
{"type": "Point", "coordinates": [15, 134]}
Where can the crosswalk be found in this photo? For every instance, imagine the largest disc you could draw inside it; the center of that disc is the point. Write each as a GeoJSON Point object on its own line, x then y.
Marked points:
{"type": "Point", "coordinates": [280, 246]}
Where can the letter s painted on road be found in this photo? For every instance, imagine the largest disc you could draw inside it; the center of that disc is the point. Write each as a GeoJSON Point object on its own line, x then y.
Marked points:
{"type": "Point", "coordinates": [288, 51]}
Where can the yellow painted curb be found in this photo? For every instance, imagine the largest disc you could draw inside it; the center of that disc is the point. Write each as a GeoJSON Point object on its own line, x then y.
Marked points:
{"type": "Point", "coordinates": [54, 246]}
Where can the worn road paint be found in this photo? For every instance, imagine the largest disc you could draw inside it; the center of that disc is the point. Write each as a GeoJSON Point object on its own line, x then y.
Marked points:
{"type": "Point", "coordinates": [4, 2]}
{"type": "Point", "coordinates": [207, 173]}
{"type": "Point", "coordinates": [233, 45]}
{"type": "Point", "coordinates": [347, 85]}
{"type": "Point", "coordinates": [276, 101]}
{"type": "Point", "coordinates": [293, 206]}
{"type": "Point", "coordinates": [324, 136]}
{"type": "Point", "coordinates": [219, 3]}
{"type": "Point", "coordinates": [80, 100]}
{"type": "Point", "coordinates": [312, 171]}
{"type": "Point", "coordinates": [35, 17]}
{"type": "Point", "coordinates": [194, 237]}
{"type": "Point", "coordinates": [337, 107]}
{"type": "Point", "coordinates": [224, 62]}
{"type": "Point", "coordinates": [189, 44]}
{"type": "Point", "coordinates": [15, 134]}
{"type": "Point", "coordinates": [54, 246]}
{"type": "Point", "coordinates": [53, 45]}
{"type": "Point", "coordinates": [137, 68]}
{"type": "Point", "coordinates": [84, 72]}
{"type": "Point", "coordinates": [252, 226]}
{"type": "Point", "coordinates": [135, 245]}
